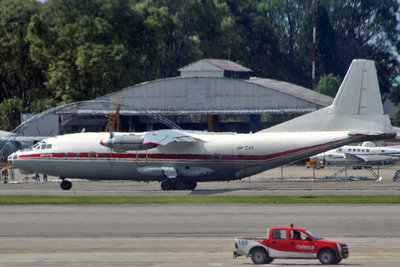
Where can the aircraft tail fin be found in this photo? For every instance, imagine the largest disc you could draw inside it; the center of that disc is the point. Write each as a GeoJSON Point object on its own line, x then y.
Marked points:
{"type": "Point", "coordinates": [359, 92]}
{"type": "Point", "coordinates": [357, 107]}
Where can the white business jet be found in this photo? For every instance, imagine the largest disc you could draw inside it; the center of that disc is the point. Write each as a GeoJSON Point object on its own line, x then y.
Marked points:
{"type": "Point", "coordinates": [179, 159]}
{"type": "Point", "coordinates": [366, 154]}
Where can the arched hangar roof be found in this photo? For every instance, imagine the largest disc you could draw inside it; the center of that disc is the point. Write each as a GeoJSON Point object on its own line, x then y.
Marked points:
{"type": "Point", "coordinates": [208, 95]}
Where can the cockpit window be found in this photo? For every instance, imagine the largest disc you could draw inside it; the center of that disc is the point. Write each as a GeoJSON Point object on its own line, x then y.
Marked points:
{"type": "Point", "coordinates": [42, 145]}
{"type": "Point", "coordinates": [36, 146]}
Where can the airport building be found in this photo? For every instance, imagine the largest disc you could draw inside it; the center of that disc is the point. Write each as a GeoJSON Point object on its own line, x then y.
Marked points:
{"type": "Point", "coordinates": [210, 94]}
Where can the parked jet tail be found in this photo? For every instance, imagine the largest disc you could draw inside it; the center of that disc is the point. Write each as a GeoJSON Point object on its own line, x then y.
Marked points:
{"type": "Point", "coordinates": [357, 107]}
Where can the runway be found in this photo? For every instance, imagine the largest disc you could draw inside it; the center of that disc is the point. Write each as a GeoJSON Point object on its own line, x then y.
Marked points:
{"type": "Point", "coordinates": [192, 234]}
{"type": "Point", "coordinates": [184, 234]}
{"type": "Point", "coordinates": [296, 180]}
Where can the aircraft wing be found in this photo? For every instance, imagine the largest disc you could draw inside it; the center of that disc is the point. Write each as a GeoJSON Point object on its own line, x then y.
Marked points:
{"type": "Point", "coordinates": [352, 157]}
{"type": "Point", "coordinates": [164, 137]}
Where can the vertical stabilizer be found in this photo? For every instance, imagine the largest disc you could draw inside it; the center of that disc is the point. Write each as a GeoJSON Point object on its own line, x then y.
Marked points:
{"type": "Point", "coordinates": [359, 92]}
{"type": "Point", "coordinates": [357, 107]}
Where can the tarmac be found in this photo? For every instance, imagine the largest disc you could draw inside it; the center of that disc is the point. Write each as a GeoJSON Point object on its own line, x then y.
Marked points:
{"type": "Point", "coordinates": [291, 180]}
{"type": "Point", "coordinates": [196, 234]}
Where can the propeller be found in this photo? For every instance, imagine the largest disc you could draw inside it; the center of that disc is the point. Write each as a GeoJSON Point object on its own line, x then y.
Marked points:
{"type": "Point", "coordinates": [111, 129]}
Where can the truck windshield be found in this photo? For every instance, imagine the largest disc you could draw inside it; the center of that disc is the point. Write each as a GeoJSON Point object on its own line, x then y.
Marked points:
{"type": "Point", "coordinates": [314, 235]}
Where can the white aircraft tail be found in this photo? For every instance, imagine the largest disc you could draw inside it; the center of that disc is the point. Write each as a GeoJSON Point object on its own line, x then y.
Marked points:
{"type": "Point", "coordinates": [359, 92]}
{"type": "Point", "coordinates": [357, 107]}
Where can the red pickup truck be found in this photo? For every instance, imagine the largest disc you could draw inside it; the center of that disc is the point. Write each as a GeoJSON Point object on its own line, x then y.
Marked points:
{"type": "Point", "coordinates": [290, 243]}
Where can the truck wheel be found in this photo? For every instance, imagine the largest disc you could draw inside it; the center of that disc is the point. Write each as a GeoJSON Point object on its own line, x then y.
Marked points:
{"type": "Point", "coordinates": [326, 256]}
{"type": "Point", "coordinates": [260, 256]}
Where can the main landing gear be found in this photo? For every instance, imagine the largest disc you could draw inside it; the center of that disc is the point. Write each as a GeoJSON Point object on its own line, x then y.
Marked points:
{"type": "Point", "coordinates": [176, 184]}
{"type": "Point", "coordinates": [65, 185]}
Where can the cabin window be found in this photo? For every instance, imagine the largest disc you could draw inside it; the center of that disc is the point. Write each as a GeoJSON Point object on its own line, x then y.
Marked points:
{"type": "Point", "coordinates": [367, 150]}
{"type": "Point", "coordinates": [340, 149]}
{"type": "Point", "coordinates": [279, 234]}
{"type": "Point", "coordinates": [48, 146]}
{"type": "Point", "coordinates": [43, 146]}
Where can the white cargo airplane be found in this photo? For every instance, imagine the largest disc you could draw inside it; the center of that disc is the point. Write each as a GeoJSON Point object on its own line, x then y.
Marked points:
{"type": "Point", "coordinates": [179, 158]}
{"type": "Point", "coordinates": [11, 142]}
{"type": "Point", "coordinates": [368, 153]}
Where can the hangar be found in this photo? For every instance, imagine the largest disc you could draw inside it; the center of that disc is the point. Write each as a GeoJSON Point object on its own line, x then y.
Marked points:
{"type": "Point", "coordinates": [210, 94]}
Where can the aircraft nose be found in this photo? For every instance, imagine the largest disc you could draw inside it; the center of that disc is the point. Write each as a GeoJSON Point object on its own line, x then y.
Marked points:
{"type": "Point", "coordinates": [12, 157]}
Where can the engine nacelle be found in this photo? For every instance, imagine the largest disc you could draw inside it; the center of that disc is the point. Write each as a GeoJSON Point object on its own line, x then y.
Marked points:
{"type": "Point", "coordinates": [122, 143]}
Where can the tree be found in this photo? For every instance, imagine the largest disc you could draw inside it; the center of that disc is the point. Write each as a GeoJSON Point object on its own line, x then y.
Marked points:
{"type": "Point", "coordinates": [89, 49]}
{"type": "Point", "coordinates": [328, 85]}
{"type": "Point", "coordinates": [63, 51]}
{"type": "Point", "coordinates": [326, 46]}
{"type": "Point", "coordinates": [10, 113]}
{"type": "Point", "coordinates": [287, 17]}
{"type": "Point", "coordinates": [396, 118]}
{"type": "Point", "coordinates": [367, 29]}
{"type": "Point", "coordinates": [19, 77]}
{"type": "Point", "coordinates": [264, 49]}
{"type": "Point", "coordinates": [260, 47]}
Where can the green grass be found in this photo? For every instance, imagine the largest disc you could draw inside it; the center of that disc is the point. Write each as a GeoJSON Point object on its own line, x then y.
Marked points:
{"type": "Point", "coordinates": [7, 200]}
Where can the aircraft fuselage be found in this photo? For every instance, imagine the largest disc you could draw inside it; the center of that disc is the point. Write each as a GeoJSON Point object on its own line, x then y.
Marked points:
{"type": "Point", "coordinates": [217, 157]}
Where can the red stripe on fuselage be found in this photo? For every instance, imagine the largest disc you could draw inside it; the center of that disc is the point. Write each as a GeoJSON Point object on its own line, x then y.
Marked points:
{"type": "Point", "coordinates": [182, 157]}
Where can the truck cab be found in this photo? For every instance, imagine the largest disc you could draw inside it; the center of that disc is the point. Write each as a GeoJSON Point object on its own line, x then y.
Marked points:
{"type": "Point", "coordinates": [291, 243]}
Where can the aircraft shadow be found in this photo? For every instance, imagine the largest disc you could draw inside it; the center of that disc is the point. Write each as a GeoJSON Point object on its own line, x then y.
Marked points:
{"type": "Point", "coordinates": [204, 192]}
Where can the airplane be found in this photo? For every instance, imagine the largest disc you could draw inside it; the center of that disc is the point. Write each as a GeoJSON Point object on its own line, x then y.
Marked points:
{"type": "Point", "coordinates": [368, 153]}
{"type": "Point", "coordinates": [11, 142]}
{"type": "Point", "coordinates": [179, 159]}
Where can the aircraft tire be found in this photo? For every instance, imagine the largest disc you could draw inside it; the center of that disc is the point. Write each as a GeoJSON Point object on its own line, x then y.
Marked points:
{"type": "Point", "coordinates": [191, 185]}
{"type": "Point", "coordinates": [179, 185]}
{"type": "Point", "coordinates": [66, 185]}
{"type": "Point", "coordinates": [166, 185]}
